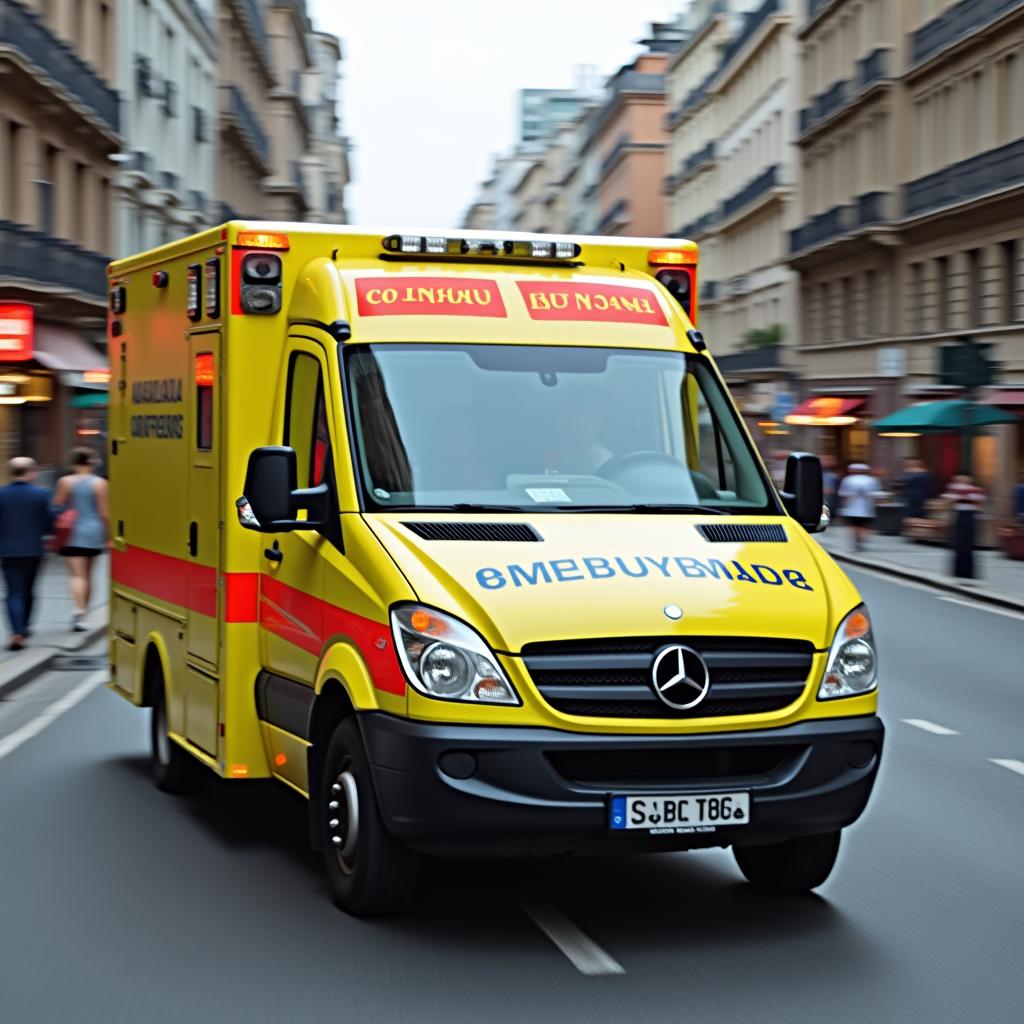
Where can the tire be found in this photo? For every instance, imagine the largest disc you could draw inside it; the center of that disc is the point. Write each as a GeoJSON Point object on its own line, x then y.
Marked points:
{"type": "Point", "coordinates": [797, 865]}
{"type": "Point", "coordinates": [370, 873]}
{"type": "Point", "coordinates": [174, 768]}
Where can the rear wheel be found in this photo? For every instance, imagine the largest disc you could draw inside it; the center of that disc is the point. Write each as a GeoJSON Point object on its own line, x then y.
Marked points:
{"type": "Point", "coordinates": [175, 770]}
{"type": "Point", "coordinates": [797, 865]}
{"type": "Point", "coordinates": [370, 873]}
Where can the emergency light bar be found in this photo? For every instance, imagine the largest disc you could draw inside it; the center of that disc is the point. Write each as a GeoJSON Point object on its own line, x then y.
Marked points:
{"type": "Point", "coordinates": [438, 245]}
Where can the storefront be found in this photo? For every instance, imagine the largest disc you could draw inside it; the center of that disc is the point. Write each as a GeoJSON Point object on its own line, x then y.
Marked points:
{"type": "Point", "coordinates": [841, 429]}
{"type": "Point", "coordinates": [44, 367]}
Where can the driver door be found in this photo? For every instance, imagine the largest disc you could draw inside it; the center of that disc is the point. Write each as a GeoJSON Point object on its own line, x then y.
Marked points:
{"type": "Point", "coordinates": [292, 571]}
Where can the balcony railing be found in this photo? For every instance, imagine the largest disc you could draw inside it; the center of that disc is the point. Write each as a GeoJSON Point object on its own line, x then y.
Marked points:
{"type": "Point", "coordinates": [966, 17]}
{"type": "Point", "coordinates": [873, 68]}
{"type": "Point", "coordinates": [987, 172]}
{"type": "Point", "coordinates": [227, 212]}
{"type": "Point", "coordinates": [23, 31]}
{"type": "Point", "coordinates": [874, 208]}
{"type": "Point", "coordinates": [36, 256]}
{"type": "Point", "coordinates": [823, 105]}
{"type": "Point", "coordinates": [764, 182]}
{"type": "Point", "coordinates": [618, 149]}
{"type": "Point", "coordinates": [617, 213]}
{"type": "Point", "coordinates": [702, 156]}
{"type": "Point", "coordinates": [637, 81]}
{"type": "Point", "coordinates": [257, 29]}
{"type": "Point", "coordinates": [822, 228]}
{"type": "Point", "coordinates": [239, 109]}
{"type": "Point", "coordinates": [755, 19]}
{"type": "Point", "coordinates": [698, 227]}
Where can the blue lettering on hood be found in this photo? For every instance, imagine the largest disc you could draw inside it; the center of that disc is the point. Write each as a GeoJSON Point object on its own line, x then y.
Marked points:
{"type": "Point", "coordinates": [595, 567]}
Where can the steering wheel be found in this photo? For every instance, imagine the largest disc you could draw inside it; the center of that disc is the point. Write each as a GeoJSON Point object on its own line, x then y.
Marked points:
{"type": "Point", "coordinates": [638, 460]}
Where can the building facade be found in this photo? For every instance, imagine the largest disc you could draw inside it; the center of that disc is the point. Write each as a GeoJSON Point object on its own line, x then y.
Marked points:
{"type": "Point", "coordinates": [59, 128]}
{"type": "Point", "coordinates": [912, 233]}
{"type": "Point", "coordinates": [327, 164]}
{"type": "Point", "coordinates": [166, 76]}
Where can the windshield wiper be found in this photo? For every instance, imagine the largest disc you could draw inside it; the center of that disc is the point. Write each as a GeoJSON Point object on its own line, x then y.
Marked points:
{"type": "Point", "coordinates": [461, 506]}
{"type": "Point", "coordinates": [652, 508]}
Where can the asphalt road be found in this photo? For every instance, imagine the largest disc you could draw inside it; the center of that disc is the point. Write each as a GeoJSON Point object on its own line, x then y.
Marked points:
{"type": "Point", "coordinates": [118, 903]}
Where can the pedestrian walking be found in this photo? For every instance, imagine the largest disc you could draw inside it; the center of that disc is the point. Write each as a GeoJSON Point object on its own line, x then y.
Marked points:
{"type": "Point", "coordinates": [830, 483]}
{"type": "Point", "coordinates": [916, 486]}
{"type": "Point", "coordinates": [965, 498]}
{"type": "Point", "coordinates": [25, 519]}
{"type": "Point", "coordinates": [82, 498]}
{"type": "Point", "coordinates": [858, 492]}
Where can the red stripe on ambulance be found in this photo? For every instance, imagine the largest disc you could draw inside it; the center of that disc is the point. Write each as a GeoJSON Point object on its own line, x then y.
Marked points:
{"type": "Point", "coordinates": [428, 296]}
{"type": "Point", "coordinates": [606, 303]}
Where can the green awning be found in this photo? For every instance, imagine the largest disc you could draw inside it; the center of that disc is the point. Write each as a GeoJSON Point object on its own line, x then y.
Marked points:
{"type": "Point", "coordinates": [90, 400]}
{"type": "Point", "coordinates": [935, 417]}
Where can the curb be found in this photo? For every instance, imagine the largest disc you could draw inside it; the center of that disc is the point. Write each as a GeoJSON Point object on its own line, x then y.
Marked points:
{"type": "Point", "coordinates": [30, 663]}
{"type": "Point", "coordinates": [929, 580]}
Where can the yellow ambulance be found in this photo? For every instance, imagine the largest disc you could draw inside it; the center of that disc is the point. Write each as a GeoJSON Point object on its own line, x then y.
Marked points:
{"type": "Point", "coordinates": [462, 538]}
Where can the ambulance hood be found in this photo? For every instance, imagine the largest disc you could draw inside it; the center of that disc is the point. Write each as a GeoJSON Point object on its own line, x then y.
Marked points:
{"type": "Point", "coordinates": [606, 575]}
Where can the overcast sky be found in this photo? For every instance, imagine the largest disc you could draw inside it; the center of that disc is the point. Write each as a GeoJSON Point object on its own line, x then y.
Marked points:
{"type": "Point", "coordinates": [430, 87]}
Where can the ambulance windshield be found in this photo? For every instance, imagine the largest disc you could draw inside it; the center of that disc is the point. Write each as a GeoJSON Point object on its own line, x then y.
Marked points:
{"type": "Point", "coordinates": [548, 429]}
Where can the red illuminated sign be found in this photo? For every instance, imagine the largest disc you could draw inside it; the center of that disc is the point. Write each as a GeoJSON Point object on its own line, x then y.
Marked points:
{"type": "Point", "coordinates": [17, 330]}
{"type": "Point", "coordinates": [608, 303]}
{"type": "Point", "coordinates": [428, 296]}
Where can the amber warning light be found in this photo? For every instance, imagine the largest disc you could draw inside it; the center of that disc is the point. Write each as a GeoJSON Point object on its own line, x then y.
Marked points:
{"type": "Point", "coordinates": [262, 240]}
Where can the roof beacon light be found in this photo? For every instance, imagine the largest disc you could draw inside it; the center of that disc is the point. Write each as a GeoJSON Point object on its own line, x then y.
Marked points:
{"type": "Point", "coordinates": [262, 240]}
{"type": "Point", "coordinates": [438, 245]}
{"type": "Point", "coordinates": [670, 258]}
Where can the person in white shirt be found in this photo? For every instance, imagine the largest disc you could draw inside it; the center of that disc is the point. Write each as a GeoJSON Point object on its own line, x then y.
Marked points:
{"type": "Point", "coordinates": [857, 495]}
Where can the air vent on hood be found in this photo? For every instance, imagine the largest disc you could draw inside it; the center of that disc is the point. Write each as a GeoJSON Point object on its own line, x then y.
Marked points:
{"type": "Point", "coordinates": [743, 533]}
{"type": "Point", "coordinates": [474, 531]}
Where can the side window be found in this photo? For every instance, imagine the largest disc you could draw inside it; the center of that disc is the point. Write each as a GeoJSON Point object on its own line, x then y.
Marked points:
{"type": "Point", "coordinates": [204, 382]}
{"type": "Point", "coordinates": [305, 428]}
{"type": "Point", "coordinates": [716, 462]}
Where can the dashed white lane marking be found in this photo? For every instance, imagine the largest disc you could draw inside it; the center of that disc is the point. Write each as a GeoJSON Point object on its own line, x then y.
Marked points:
{"type": "Point", "coordinates": [49, 714]}
{"type": "Point", "coordinates": [939, 730]}
{"type": "Point", "coordinates": [977, 606]}
{"type": "Point", "coordinates": [1014, 766]}
{"type": "Point", "coordinates": [584, 953]}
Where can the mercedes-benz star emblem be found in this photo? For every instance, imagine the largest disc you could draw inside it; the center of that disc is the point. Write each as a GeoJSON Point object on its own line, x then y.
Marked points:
{"type": "Point", "coordinates": [680, 677]}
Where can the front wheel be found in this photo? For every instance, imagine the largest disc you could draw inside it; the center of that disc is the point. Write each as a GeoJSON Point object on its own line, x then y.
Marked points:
{"type": "Point", "coordinates": [797, 865]}
{"type": "Point", "coordinates": [174, 768]}
{"type": "Point", "coordinates": [370, 873]}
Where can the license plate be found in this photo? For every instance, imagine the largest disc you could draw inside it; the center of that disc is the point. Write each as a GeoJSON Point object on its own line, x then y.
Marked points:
{"type": "Point", "coordinates": [696, 812]}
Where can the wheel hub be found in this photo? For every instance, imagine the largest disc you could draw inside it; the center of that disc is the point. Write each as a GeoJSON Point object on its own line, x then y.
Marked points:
{"type": "Point", "coordinates": [343, 816]}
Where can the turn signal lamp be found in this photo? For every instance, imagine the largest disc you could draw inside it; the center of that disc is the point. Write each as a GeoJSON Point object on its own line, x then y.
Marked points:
{"type": "Point", "coordinates": [280, 759]}
{"type": "Point", "coordinates": [263, 240]}
{"type": "Point", "coordinates": [239, 770]}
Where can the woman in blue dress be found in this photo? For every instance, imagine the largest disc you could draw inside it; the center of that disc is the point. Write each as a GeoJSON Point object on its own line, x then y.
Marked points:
{"type": "Point", "coordinates": [84, 493]}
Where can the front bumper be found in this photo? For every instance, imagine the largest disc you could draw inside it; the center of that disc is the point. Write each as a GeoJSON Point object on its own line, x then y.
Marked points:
{"type": "Point", "coordinates": [473, 790]}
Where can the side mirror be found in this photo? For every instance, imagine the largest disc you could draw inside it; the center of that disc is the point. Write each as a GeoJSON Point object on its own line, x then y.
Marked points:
{"type": "Point", "coordinates": [272, 502]}
{"type": "Point", "coordinates": [803, 491]}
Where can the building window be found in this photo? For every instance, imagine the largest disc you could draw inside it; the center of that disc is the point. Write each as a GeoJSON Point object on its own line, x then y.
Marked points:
{"type": "Point", "coordinates": [849, 326]}
{"type": "Point", "coordinates": [46, 185]}
{"type": "Point", "coordinates": [974, 286]}
{"type": "Point", "coordinates": [1011, 296]}
{"type": "Point", "coordinates": [870, 303]}
{"type": "Point", "coordinates": [13, 197]}
{"type": "Point", "coordinates": [823, 312]}
{"type": "Point", "coordinates": [942, 293]}
{"type": "Point", "coordinates": [917, 297]}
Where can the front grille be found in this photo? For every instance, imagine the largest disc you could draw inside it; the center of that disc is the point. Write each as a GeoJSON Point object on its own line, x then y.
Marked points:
{"type": "Point", "coordinates": [616, 769]}
{"type": "Point", "coordinates": [611, 677]}
{"type": "Point", "coordinates": [435, 530]}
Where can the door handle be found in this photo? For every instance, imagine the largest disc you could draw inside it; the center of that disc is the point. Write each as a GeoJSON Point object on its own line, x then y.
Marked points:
{"type": "Point", "coordinates": [193, 539]}
{"type": "Point", "coordinates": [273, 554]}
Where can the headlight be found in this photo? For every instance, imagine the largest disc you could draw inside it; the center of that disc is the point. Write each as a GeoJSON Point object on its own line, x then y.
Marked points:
{"type": "Point", "coordinates": [444, 658]}
{"type": "Point", "coordinates": [852, 667]}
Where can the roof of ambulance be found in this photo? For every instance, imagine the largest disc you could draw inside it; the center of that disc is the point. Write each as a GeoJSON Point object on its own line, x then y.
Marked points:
{"type": "Point", "coordinates": [406, 297]}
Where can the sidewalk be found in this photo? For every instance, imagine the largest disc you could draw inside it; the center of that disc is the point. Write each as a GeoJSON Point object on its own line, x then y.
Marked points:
{"type": "Point", "coordinates": [51, 624]}
{"type": "Point", "coordinates": [999, 580]}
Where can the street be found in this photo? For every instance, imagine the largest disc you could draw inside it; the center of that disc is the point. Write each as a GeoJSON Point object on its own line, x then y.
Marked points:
{"type": "Point", "coordinates": [123, 904]}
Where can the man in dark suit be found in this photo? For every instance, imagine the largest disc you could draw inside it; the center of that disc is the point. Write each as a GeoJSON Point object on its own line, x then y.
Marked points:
{"type": "Point", "coordinates": [25, 519]}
